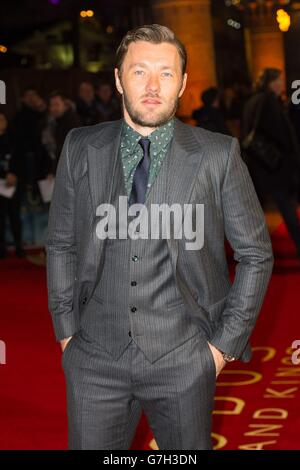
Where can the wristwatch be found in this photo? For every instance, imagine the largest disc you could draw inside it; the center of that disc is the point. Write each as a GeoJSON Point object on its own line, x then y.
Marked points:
{"type": "Point", "coordinates": [227, 357]}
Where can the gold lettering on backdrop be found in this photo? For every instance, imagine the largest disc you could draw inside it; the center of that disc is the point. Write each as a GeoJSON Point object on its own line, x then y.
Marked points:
{"type": "Point", "coordinates": [263, 430]}
{"type": "Point", "coordinates": [270, 413]}
{"type": "Point", "coordinates": [286, 375]}
{"type": "Point", "coordinates": [285, 382]}
{"type": "Point", "coordinates": [238, 408]}
{"type": "Point", "coordinates": [271, 393]}
{"type": "Point", "coordinates": [256, 445]}
{"type": "Point", "coordinates": [287, 371]}
{"type": "Point", "coordinates": [287, 361]}
{"type": "Point", "coordinates": [255, 377]}
{"type": "Point", "coordinates": [270, 352]}
{"type": "Point", "coordinates": [221, 441]}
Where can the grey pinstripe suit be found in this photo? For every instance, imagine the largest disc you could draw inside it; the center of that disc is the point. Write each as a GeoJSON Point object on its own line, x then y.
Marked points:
{"type": "Point", "coordinates": [183, 298]}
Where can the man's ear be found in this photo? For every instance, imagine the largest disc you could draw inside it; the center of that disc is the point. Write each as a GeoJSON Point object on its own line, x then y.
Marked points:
{"type": "Point", "coordinates": [118, 81]}
{"type": "Point", "coordinates": [184, 80]}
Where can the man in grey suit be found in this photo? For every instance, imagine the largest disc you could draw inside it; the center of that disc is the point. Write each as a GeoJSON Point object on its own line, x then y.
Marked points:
{"type": "Point", "coordinates": [146, 322]}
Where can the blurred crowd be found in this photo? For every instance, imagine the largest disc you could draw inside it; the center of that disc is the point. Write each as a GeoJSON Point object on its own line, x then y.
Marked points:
{"type": "Point", "coordinates": [265, 121]}
{"type": "Point", "coordinates": [30, 146]}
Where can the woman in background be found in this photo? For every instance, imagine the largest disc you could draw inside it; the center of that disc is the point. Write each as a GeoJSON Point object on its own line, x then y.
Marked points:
{"type": "Point", "coordinates": [265, 111]}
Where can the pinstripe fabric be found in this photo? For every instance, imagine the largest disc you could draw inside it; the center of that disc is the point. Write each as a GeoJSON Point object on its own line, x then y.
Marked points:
{"type": "Point", "coordinates": [182, 296]}
{"type": "Point", "coordinates": [206, 168]}
{"type": "Point", "coordinates": [160, 322]}
{"type": "Point", "coordinates": [105, 397]}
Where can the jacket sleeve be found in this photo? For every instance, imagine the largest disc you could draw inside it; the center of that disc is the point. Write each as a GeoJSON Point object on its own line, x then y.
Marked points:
{"type": "Point", "coordinates": [247, 233]}
{"type": "Point", "coordinates": [61, 248]}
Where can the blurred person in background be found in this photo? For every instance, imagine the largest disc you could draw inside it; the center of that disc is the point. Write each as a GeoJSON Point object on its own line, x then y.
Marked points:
{"type": "Point", "coordinates": [275, 169]}
{"type": "Point", "coordinates": [108, 105]}
{"type": "Point", "coordinates": [32, 159]}
{"type": "Point", "coordinates": [86, 104]}
{"type": "Point", "coordinates": [210, 115]}
{"type": "Point", "coordinates": [9, 206]}
{"type": "Point", "coordinates": [294, 113]}
{"type": "Point", "coordinates": [228, 106]}
{"type": "Point", "coordinates": [65, 118]}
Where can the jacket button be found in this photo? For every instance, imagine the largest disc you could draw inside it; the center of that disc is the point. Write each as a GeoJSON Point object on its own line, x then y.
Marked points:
{"type": "Point", "coordinates": [84, 300]}
{"type": "Point", "coordinates": [133, 283]}
{"type": "Point", "coordinates": [129, 333]}
{"type": "Point", "coordinates": [135, 258]}
{"type": "Point", "coordinates": [133, 309]}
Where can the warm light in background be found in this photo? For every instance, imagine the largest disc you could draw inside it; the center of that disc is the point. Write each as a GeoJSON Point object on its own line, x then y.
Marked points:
{"type": "Point", "coordinates": [284, 20]}
{"type": "Point", "coordinates": [234, 24]}
{"type": "Point", "coordinates": [3, 49]}
{"type": "Point", "coordinates": [86, 13]}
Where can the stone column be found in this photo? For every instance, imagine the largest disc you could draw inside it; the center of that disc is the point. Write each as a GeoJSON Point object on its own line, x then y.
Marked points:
{"type": "Point", "coordinates": [192, 23]}
{"type": "Point", "coordinates": [263, 39]}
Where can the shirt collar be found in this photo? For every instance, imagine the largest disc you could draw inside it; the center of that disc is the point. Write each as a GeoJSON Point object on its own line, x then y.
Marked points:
{"type": "Point", "coordinates": [159, 138]}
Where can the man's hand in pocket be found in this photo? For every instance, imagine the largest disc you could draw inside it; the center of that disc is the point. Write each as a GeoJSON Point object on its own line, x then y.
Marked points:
{"type": "Point", "coordinates": [218, 357]}
{"type": "Point", "coordinates": [64, 343]}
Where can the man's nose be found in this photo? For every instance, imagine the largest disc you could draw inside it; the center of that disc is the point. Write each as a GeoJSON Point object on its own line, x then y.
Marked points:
{"type": "Point", "coordinates": [153, 83]}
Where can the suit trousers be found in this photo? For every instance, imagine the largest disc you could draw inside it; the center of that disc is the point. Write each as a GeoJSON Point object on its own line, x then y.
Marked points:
{"type": "Point", "coordinates": [105, 396]}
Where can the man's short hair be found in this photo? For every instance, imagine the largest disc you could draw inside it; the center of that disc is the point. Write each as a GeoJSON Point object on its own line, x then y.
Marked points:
{"type": "Point", "coordinates": [154, 33]}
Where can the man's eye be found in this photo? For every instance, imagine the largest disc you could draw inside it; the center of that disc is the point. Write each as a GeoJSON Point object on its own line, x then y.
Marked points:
{"type": "Point", "coordinates": [139, 72]}
{"type": "Point", "coordinates": [167, 73]}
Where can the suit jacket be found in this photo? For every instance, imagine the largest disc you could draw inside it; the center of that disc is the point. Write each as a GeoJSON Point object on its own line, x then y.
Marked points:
{"type": "Point", "coordinates": [207, 169]}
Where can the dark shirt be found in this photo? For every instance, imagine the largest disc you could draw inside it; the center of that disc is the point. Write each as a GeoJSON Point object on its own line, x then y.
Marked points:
{"type": "Point", "coordinates": [211, 118]}
{"type": "Point", "coordinates": [132, 153]}
{"type": "Point", "coordinates": [32, 159]}
{"type": "Point", "coordinates": [108, 111]}
{"type": "Point", "coordinates": [63, 125]}
{"type": "Point", "coordinates": [88, 112]}
{"type": "Point", "coordinates": [7, 160]}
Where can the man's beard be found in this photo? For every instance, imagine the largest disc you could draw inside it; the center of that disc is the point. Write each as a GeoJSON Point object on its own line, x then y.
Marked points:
{"type": "Point", "coordinates": [141, 119]}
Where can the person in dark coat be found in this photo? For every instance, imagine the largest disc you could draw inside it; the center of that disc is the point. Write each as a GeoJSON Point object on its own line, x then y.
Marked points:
{"type": "Point", "coordinates": [294, 113]}
{"type": "Point", "coordinates": [9, 207]}
{"type": "Point", "coordinates": [210, 115]}
{"type": "Point", "coordinates": [274, 124]}
{"type": "Point", "coordinates": [65, 118]}
{"type": "Point", "coordinates": [86, 104]}
{"type": "Point", "coordinates": [108, 105]}
{"type": "Point", "coordinates": [32, 159]}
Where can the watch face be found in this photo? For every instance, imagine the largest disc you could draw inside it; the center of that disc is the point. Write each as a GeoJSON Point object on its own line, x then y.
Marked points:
{"type": "Point", "coordinates": [228, 358]}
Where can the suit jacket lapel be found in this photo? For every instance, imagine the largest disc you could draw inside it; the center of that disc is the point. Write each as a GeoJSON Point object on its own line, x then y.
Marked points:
{"type": "Point", "coordinates": [103, 163]}
{"type": "Point", "coordinates": [186, 155]}
{"type": "Point", "coordinates": [104, 174]}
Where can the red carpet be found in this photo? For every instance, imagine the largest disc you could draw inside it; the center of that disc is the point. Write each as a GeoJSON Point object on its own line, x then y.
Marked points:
{"type": "Point", "coordinates": [257, 404]}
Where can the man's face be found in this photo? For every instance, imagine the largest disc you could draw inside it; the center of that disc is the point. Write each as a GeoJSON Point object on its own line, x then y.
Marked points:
{"type": "Point", "coordinates": [57, 106]}
{"type": "Point", "coordinates": [151, 83]}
